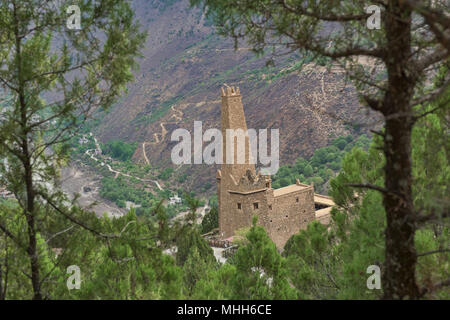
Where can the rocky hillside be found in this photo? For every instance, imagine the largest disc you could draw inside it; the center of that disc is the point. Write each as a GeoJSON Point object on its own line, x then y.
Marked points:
{"type": "Point", "coordinates": [179, 82]}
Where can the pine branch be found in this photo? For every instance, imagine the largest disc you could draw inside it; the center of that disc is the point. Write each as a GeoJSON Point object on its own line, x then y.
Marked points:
{"type": "Point", "coordinates": [76, 221]}
{"type": "Point", "coordinates": [11, 236]}
{"type": "Point", "coordinates": [434, 287]}
{"type": "Point", "coordinates": [432, 252]}
{"type": "Point", "coordinates": [369, 186]}
{"type": "Point", "coordinates": [319, 16]}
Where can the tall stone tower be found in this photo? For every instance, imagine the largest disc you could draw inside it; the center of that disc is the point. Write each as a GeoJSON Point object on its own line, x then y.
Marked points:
{"type": "Point", "coordinates": [243, 193]}
{"type": "Point", "coordinates": [233, 118]}
{"type": "Point", "coordinates": [235, 180]}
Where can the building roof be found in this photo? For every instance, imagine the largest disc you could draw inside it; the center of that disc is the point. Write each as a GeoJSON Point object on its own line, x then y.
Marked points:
{"type": "Point", "coordinates": [324, 200]}
{"type": "Point", "coordinates": [323, 215]}
{"type": "Point", "coordinates": [288, 189]}
{"type": "Point", "coordinates": [323, 212]}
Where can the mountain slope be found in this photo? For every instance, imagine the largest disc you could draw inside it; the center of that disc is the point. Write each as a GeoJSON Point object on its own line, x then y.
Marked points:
{"type": "Point", "coordinates": [179, 82]}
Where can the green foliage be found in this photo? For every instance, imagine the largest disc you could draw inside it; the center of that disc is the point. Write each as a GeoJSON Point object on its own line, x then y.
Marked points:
{"type": "Point", "coordinates": [321, 167]}
{"type": "Point", "coordinates": [213, 201]}
{"type": "Point", "coordinates": [165, 174]}
{"type": "Point", "coordinates": [311, 262]}
{"type": "Point", "coordinates": [210, 220]}
{"type": "Point", "coordinates": [182, 178]}
{"type": "Point", "coordinates": [433, 268]}
{"type": "Point", "coordinates": [119, 150]}
{"type": "Point", "coordinates": [195, 268]}
{"type": "Point", "coordinates": [125, 268]}
{"type": "Point", "coordinates": [119, 190]}
{"type": "Point", "coordinates": [83, 71]}
{"type": "Point", "coordinates": [431, 154]}
{"type": "Point", "coordinates": [125, 263]}
{"type": "Point", "coordinates": [331, 263]}
{"type": "Point", "coordinates": [260, 270]}
{"type": "Point", "coordinates": [188, 239]}
{"type": "Point", "coordinates": [215, 284]}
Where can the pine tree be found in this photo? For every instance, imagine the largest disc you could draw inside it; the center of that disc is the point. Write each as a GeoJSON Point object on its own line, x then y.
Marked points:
{"type": "Point", "coordinates": [54, 77]}
{"type": "Point", "coordinates": [331, 262]}
{"type": "Point", "coordinates": [260, 270]}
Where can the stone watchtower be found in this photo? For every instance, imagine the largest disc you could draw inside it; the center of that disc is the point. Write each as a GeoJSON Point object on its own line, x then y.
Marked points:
{"type": "Point", "coordinates": [233, 118]}
{"type": "Point", "coordinates": [239, 187]}
{"type": "Point", "coordinates": [243, 193]}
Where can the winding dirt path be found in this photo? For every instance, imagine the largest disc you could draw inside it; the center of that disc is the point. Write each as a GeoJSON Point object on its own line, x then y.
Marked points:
{"type": "Point", "coordinates": [177, 114]}
{"type": "Point", "coordinates": [179, 117]}
{"type": "Point", "coordinates": [159, 137]}
{"type": "Point", "coordinates": [145, 153]}
{"type": "Point", "coordinates": [91, 152]}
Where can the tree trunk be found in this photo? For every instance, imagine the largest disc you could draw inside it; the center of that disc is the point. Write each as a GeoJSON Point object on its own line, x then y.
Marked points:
{"type": "Point", "coordinates": [27, 163]}
{"type": "Point", "coordinates": [400, 257]}
{"type": "Point", "coordinates": [30, 208]}
{"type": "Point", "coordinates": [32, 245]}
{"type": "Point", "coordinates": [30, 211]}
{"type": "Point", "coordinates": [4, 275]}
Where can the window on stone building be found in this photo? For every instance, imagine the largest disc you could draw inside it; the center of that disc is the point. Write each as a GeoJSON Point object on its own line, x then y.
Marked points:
{"type": "Point", "coordinates": [270, 207]}
{"type": "Point", "coordinates": [239, 206]}
{"type": "Point", "coordinates": [296, 200]}
{"type": "Point", "coordinates": [255, 205]}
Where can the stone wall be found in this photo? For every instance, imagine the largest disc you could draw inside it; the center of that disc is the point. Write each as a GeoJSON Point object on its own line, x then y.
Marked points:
{"type": "Point", "coordinates": [291, 212]}
{"type": "Point", "coordinates": [238, 210]}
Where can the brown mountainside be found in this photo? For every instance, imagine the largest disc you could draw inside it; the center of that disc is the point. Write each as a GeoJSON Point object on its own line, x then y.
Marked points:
{"type": "Point", "coordinates": [179, 82]}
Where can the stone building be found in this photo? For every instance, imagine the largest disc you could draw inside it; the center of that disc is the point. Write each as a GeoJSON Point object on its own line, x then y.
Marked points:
{"type": "Point", "coordinates": [244, 193]}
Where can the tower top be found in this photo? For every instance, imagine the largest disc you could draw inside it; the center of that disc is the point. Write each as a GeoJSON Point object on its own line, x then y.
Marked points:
{"type": "Point", "coordinates": [233, 125]}
{"type": "Point", "coordinates": [230, 91]}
